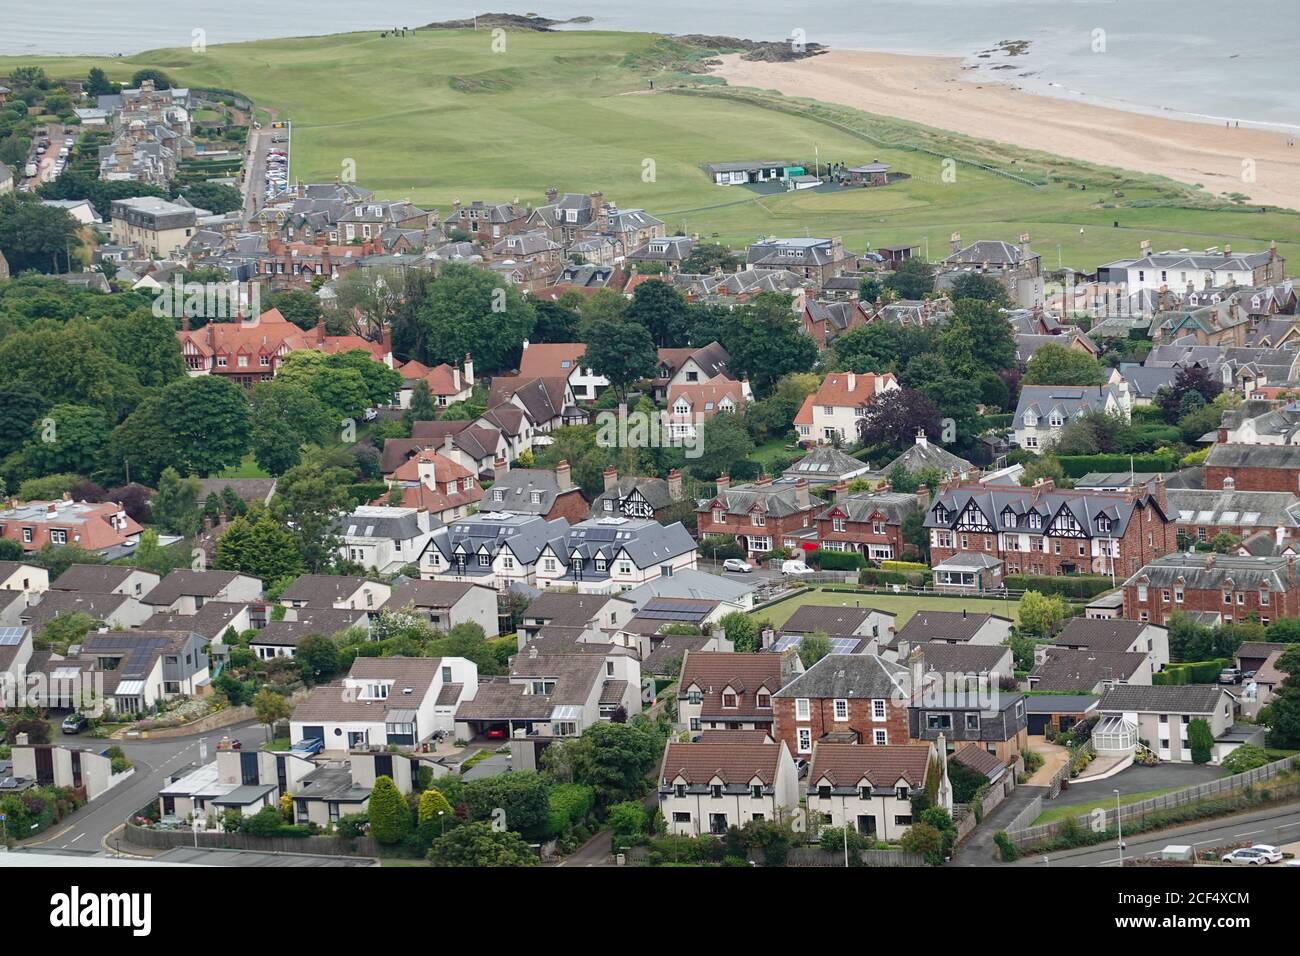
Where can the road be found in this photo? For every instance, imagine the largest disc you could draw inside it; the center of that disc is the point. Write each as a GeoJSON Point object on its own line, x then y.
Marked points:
{"type": "Point", "coordinates": [253, 183]}
{"type": "Point", "coordinates": [155, 760]}
{"type": "Point", "coordinates": [1276, 825]}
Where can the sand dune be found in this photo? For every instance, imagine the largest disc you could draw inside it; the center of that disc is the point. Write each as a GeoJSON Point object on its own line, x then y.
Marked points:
{"type": "Point", "coordinates": [936, 91]}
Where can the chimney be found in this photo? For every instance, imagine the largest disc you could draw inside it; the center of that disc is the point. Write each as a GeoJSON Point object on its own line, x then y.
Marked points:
{"type": "Point", "coordinates": [469, 370]}
{"type": "Point", "coordinates": [1209, 560]}
{"type": "Point", "coordinates": [801, 496]}
{"type": "Point", "coordinates": [185, 322]}
{"type": "Point", "coordinates": [954, 242]}
{"type": "Point", "coordinates": [446, 444]}
{"type": "Point", "coordinates": [922, 496]}
{"type": "Point", "coordinates": [532, 651]}
{"type": "Point", "coordinates": [552, 194]}
{"type": "Point", "coordinates": [766, 638]}
{"type": "Point", "coordinates": [1025, 252]}
{"type": "Point", "coordinates": [301, 189]}
{"type": "Point", "coordinates": [611, 477]}
{"type": "Point", "coordinates": [921, 441]}
{"type": "Point", "coordinates": [562, 475]}
{"type": "Point", "coordinates": [762, 481]}
{"type": "Point", "coordinates": [838, 490]}
{"type": "Point", "coordinates": [675, 485]}
{"type": "Point", "coordinates": [723, 482]}
{"type": "Point", "coordinates": [853, 381]}
{"type": "Point", "coordinates": [51, 510]}
{"type": "Point", "coordinates": [455, 378]}
{"type": "Point", "coordinates": [790, 664]}
{"type": "Point", "coordinates": [1146, 247]}
{"type": "Point", "coordinates": [916, 670]}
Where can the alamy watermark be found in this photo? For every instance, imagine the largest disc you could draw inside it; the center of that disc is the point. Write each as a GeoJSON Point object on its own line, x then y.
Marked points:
{"type": "Point", "coordinates": [660, 429]}
{"type": "Point", "coordinates": [208, 300]}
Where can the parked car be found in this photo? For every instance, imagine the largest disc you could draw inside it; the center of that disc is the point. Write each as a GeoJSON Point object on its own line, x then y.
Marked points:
{"type": "Point", "coordinates": [496, 732]}
{"type": "Point", "coordinates": [739, 565]}
{"type": "Point", "coordinates": [795, 568]}
{"type": "Point", "coordinates": [1244, 857]}
{"type": "Point", "coordinates": [1270, 853]}
{"type": "Point", "coordinates": [1230, 675]}
{"type": "Point", "coordinates": [74, 723]}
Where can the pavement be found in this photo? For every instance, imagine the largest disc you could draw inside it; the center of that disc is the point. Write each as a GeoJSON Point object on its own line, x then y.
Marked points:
{"type": "Point", "coordinates": [979, 848]}
{"type": "Point", "coordinates": [93, 826]}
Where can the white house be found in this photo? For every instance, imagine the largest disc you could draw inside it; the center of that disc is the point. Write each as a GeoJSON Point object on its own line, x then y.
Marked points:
{"type": "Point", "coordinates": [383, 538]}
{"type": "Point", "coordinates": [708, 786]}
{"type": "Point", "coordinates": [868, 789]}
{"type": "Point", "coordinates": [833, 412]}
{"type": "Point", "coordinates": [448, 603]}
{"type": "Point", "coordinates": [17, 576]}
{"type": "Point", "coordinates": [1044, 410]}
{"type": "Point", "coordinates": [386, 701]}
{"type": "Point", "coordinates": [345, 592]}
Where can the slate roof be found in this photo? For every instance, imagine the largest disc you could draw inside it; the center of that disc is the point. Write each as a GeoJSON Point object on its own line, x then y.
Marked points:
{"type": "Point", "coordinates": [927, 625]}
{"type": "Point", "coordinates": [1070, 400]}
{"type": "Point", "coordinates": [924, 456]}
{"type": "Point", "coordinates": [323, 621]}
{"type": "Point", "coordinates": [834, 621]}
{"type": "Point", "coordinates": [1254, 456]}
{"type": "Point", "coordinates": [428, 594]}
{"type": "Point", "coordinates": [562, 609]}
{"type": "Point", "coordinates": [850, 676]}
{"type": "Point", "coordinates": [95, 578]}
{"type": "Point", "coordinates": [777, 501]}
{"type": "Point", "coordinates": [1164, 699]}
{"type": "Point", "coordinates": [962, 658]}
{"type": "Point", "coordinates": [826, 464]}
{"type": "Point", "coordinates": [1112, 636]}
{"type": "Point", "coordinates": [1197, 572]}
{"type": "Point", "coordinates": [336, 701]}
{"type": "Point", "coordinates": [323, 589]}
{"type": "Point", "coordinates": [653, 490]}
{"type": "Point", "coordinates": [1082, 670]}
{"type": "Point", "coordinates": [59, 603]}
{"type": "Point", "coordinates": [670, 651]}
{"type": "Point", "coordinates": [182, 583]}
{"type": "Point", "coordinates": [516, 487]}
{"type": "Point", "coordinates": [1009, 507]}
{"type": "Point", "coordinates": [894, 505]}
{"type": "Point", "coordinates": [370, 521]}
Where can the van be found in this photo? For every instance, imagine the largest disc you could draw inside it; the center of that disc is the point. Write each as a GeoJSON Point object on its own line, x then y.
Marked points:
{"type": "Point", "coordinates": [795, 568]}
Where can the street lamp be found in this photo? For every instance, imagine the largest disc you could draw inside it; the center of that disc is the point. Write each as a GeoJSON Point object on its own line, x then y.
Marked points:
{"type": "Point", "coordinates": [442, 827]}
{"type": "Point", "coordinates": [1119, 829]}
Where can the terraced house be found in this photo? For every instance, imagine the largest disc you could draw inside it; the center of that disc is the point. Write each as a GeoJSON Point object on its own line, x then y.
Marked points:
{"type": "Point", "coordinates": [762, 516]}
{"type": "Point", "coordinates": [978, 533]}
{"type": "Point", "coordinates": [1220, 588]}
{"type": "Point", "coordinates": [870, 523]}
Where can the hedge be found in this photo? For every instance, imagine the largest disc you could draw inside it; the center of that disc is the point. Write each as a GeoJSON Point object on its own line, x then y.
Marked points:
{"type": "Point", "coordinates": [1076, 466]}
{"type": "Point", "coordinates": [1191, 672]}
{"type": "Point", "coordinates": [903, 566]}
{"type": "Point", "coordinates": [836, 560]}
{"type": "Point", "coordinates": [872, 577]}
{"type": "Point", "coordinates": [1079, 586]}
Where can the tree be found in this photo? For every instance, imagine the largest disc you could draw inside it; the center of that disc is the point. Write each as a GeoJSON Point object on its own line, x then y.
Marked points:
{"type": "Point", "coordinates": [1053, 364]}
{"type": "Point", "coordinates": [742, 631]}
{"type": "Point", "coordinates": [422, 408]}
{"type": "Point", "coordinates": [621, 351]}
{"type": "Point", "coordinates": [1200, 740]}
{"type": "Point", "coordinates": [161, 81]}
{"type": "Point", "coordinates": [469, 310]}
{"type": "Point", "coordinates": [977, 338]}
{"type": "Point", "coordinates": [662, 310]}
{"type": "Point", "coordinates": [723, 441]}
{"type": "Point", "coordinates": [870, 289]}
{"type": "Point", "coordinates": [22, 406]}
{"type": "Point", "coordinates": [308, 498]}
{"type": "Point", "coordinates": [521, 796]}
{"type": "Point", "coordinates": [1193, 379]}
{"type": "Point", "coordinates": [555, 322]}
{"type": "Point", "coordinates": [318, 658]}
{"type": "Point", "coordinates": [894, 417]}
{"type": "Point", "coordinates": [913, 279]}
{"type": "Point", "coordinates": [390, 817]}
{"type": "Point", "coordinates": [628, 822]}
{"type": "Point", "coordinates": [766, 341]}
{"type": "Point", "coordinates": [68, 438]}
{"type": "Point", "coordinates": [1092, 433]}
{"type": "Point", "coordinates": [300, 307]}
{"type": "Point", "coordinates": [477, 844]}
{"type": "Point", "coordinates": [197, 425]}
{"type": "Point", "coordinates": [269, 708]}
{"type": "Point", "coordinates": [432, 802]}
{"type": "Point", "coordinates": [176, 505]}
{"type": "Point", "coordinates": [813, 647]}
{"type": "Point", "coordinates": [35, 236]}
{"type": "Point", "coordinates": [709, 257]}
{"type": "Point", "coordinates": [1284, 709]}
{"type": "Point", "coordinates": [1041, 615]}
{"type": "Point", "coordinates": [977, 285]}
{"type": "Point", "coordinates": [256, 544]}
{"type": "Point", "coordinates": [286, 416]}
{"type": "Point", "coordinates": [98, 84]}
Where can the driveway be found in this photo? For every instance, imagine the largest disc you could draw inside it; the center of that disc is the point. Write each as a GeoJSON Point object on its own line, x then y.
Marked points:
{"type": "Point", "coordinates": [979, 849]}
{"type": "Point", "coordinates": [1139, 779]}
{"type": "Point", "coordinates": [1054, 757]}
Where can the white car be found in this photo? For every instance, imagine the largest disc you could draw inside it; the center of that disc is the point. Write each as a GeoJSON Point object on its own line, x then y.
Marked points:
{"type": "Point", "coordinates": [795, 568]}
{"type": "Point", "coordinates": [1271, 854]}
{"type": "Point", "coordinates": [736, 564]}
{"type": "Point", "coordinates": [1245, 857]}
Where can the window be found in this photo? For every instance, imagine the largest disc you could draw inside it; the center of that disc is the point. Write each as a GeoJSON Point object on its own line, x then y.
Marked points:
{"type": "Point", "coordinates": [881, 738]}
{"type": "Point", "coordinates": [839, 524]}
{"type": "Point", "coordinates": [878, 709]}
{"type": "Point", "coordinates": [841, 710]}
{"type": "Point", "coordinates": [58, 536]}
{"type": "Point", "coordinates": [901, 792]}
{"type": "Point", "coordinates": [805, 740]}
{"type": "Point", "coordinates": [484, 560]}
{"type": "Point", "coordinates": [715, 791]}
{"type": "Point", "coordinates": [802, 710]}
{"type": "Point", "coordinates": [938, 721]}
{"type": "Point", "coordinates": [973, 722]}
{"type": "Point", "coordinates": [756, 791]}
{"type": "Point", "coordinates": [729, 701]}
{"type": "Point", "coordinates": [764, 700]}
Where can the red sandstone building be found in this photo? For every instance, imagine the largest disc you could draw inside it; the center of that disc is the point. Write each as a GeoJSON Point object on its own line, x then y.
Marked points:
{"type": "Point", "coordinates": [1227, 588]}
{"type": "Point", "coordinates": [870, 523]}
{"type": "Point", "coordinates": [763, 516]}
{"type": "Point", "coordinates": [1253, 467]}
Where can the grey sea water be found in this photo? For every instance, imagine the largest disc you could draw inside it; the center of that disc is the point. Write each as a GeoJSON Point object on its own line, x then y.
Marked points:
{"type": "Point", "coordinates": [1205, 59]}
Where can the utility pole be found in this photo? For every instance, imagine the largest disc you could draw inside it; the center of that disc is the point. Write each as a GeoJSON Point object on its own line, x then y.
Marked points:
{"type": "Point", "coordinates": [1119, 829]}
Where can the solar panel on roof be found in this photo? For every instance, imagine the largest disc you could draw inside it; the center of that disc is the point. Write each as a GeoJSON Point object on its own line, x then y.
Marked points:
{"type": "Point", "coordinates": [10, 636]}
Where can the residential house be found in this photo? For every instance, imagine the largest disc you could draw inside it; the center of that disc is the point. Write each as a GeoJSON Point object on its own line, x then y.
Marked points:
{"type": "Point", "coordinates": [857, 698]}
{"type": "Point", "coordinates": [728, 691]}
{"type": "Point", "coordinates": [1181, 270]}
{"type": "Point", "coordinates": [281, 638]}
{"type": "Point", "coordinates": [1044, 410]}
{"type": "Point", "coordinates": [869, 523]}
{"type": "Point", "coordinates": [814, 260]}
{"type": "Point", "coordinates": [706, 787]}
{"type": "Point", "coordinates": [154, 226]}
{"type": "Point", "coordinates": [446, 604]}
{"type": "Point", "coordinates": [832, 414]}
{"type": "Point", "coordinates": [1223, 588]}
{"type": "Point", "coordinates": [562, 360]}
{"type": "Point", "coordinates": [119, 611]}
{"type": "Point", "coordinates": [1117, 636]}
{"type": "Point", "coordinates": [925, 456]}
{"type": "Point", "coordinates": [185, 592]}
{"type": "Point", "coordinates": [548, 402]}
{"type": "Point", "coordinates": [143, 668]}
{"type": "Point", "coordinates": [383, 539]}
{"type": "Point", "coordinates": [1204, 513]}
{"type": "Point", "coordinates": [690, 366]}
{"type": "Point", "coordinates": [101, 527]}
{"type": "Point", "coordinates": [1253, 467]}
{"type": "Point", "coordinates": [488, 222]}
{"type": "Point", "coordinates": [928, 626]}
{"type": "Point", "coordinates": [436, 486]}
{"type": "Point", "coordinates": [447, 384]}
{"type": "Point", "coordinates": [342, 591]}
{"type": "Point", "coordinates": [1015, 265]}
{"type": "Point", "coordinates": [537, 491]}
{"type": "Point", "coordinates": [690, 405]}
{"type": "Point", "coordinates": [1066, 670]}
{"type": "Point", "coordinates": [386, 702]}
{"type": "Point", "coordinates": [824, 465]}
{"type": "Point", "coordinates": [762, 516]}
{"type": "Point", "coordinates": [852, 630]}
{"type": "Point", "coordinates": [29, 578]}
{"type": "Point", "coordinates": [826, 321]}
{"type": "Point", "coordinates": [633, 496]}
{"type": "Point", "coordinates": [1160, 716]}
{"type": "Point", "coordinates": [868, 789]}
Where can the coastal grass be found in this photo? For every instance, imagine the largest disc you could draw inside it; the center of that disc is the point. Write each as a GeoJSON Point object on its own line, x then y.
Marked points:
{"type": "Point", "coordinates": [439, 115]}
{"type": "Point", "coordinates": [900, 605]}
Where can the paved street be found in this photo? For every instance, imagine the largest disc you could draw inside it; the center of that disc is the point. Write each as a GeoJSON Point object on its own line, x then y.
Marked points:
{"type": "Point", "coordinates": [154, 761]}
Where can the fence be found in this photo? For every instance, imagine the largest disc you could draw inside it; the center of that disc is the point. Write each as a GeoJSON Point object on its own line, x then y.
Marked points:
{"type": "Point", "coordinates": [1025, 817]}
{"type": "Point", "coordinates": [815, 856]}
{"type": "Point", "coordinates": [1132, 812]}
{"type": "Point", "coordinates": [318, 845]}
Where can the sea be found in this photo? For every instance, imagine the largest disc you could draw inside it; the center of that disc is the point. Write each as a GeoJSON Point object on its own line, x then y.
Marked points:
{"type": "Point", "coordinates": [1206, 60]}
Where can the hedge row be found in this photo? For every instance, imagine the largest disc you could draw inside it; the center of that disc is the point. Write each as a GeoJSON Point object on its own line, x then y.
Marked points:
{"type": "Point", "coordinates": [1192, 672]}
{"type": "Point", "coordinates": [836, 560]}
{"type": "Point", "coordinates": [874, 578]}
{"type": "Point", "coordinates": [1078, 586]}
{"type": "Point", "coordinates": [1076, 466]}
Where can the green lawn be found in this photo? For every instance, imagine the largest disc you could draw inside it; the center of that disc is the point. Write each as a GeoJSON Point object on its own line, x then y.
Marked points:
{"type": "Point", "coordinates": [247, 468]}
{"type": "Point", "coordinates": [1079, 809]}
{"type": "Point", "coordinates": [903, 606]}
{"type": "Point", "coordinates": [439, 116]}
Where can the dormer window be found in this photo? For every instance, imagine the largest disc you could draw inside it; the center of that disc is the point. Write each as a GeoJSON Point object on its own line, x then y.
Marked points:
{"type": "Point", "coordinates": [940, 513]}
{"type": "Point", "coordinates": [729, 700]}
{"type": "Point", "coordinates": [1009, 518]}
{"type": "Point", "coordinates": [1103, 524]}
{"type": "Point", "coordinates": [756, 791]}
{"type": "Point", "coordinates": [715, 790]}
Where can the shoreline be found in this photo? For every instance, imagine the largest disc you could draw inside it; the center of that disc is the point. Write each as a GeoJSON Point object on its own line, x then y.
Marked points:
{"type": "Point", "coordinates": [949, 93]}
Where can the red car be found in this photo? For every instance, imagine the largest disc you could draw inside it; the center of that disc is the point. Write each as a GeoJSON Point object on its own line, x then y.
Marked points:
{"type": "Point", "coordinates": [495, 733]}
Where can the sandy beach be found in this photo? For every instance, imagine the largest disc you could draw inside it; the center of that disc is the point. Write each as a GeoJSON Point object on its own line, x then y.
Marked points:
{"type": "Point", "coordinates": [936, 91]}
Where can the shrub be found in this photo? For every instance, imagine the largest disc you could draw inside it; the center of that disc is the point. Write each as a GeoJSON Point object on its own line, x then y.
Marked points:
{"type": "Point", "coordinates": [1200, 739]}
{"type": "Point", "coordinates": [1006, 848]}
{"type": "Point", "coordinates": [1246, 757]}
{"type": "Point", "coordinates": [390, 817]}
{"type": "Point", "coordinates": [836, 560]}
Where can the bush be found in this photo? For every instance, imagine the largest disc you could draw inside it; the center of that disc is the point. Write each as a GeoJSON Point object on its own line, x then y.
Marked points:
{"type": "Point", "coordinates": [390, 816]}
{"type": "Point", "coordinates": [569, 805]}
{"type": "Point", "coordinates": [1006, 848]}
{"type": "Point", "coordinates": [1076, 466]}
{"type": "Point", "coordinates": [1246, 757]}
{"type": "Point", "coordinates": [1078, 586]}
{"type": "Point", "coordinates": [1200, 739]}
{"type": "Point", "coordinates": [835, 560]}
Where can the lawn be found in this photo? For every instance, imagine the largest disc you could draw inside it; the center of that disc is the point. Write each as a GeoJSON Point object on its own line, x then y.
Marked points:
{"type": "Point", "coordinates": [1079, 809]}
{"type": "Point", "coordinates": [438, 116]}
{"type": "Point", "coordinates": [903, 606]}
